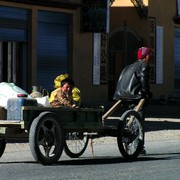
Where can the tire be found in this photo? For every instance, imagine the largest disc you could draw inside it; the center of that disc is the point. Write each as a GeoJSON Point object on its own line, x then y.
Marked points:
{"type": "Point", "coordinates": [46, 138]}
{"type": "Point", "coordinates": [2, 146]}
{"type": "Point", "coordinates": [75, 144]}
{"type": "Point", "coordinates": [130, 136]}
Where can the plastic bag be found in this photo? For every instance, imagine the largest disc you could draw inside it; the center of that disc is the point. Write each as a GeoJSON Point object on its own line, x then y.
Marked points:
{"type": "Point", "coordinates": [58, 79]}
{"type": "Point", "coordinates": [43, 101]}
{"type": "Point", "coordinates": [76, 94]}
{"type": "Point", "coordinates": [9, 90]}
{"type": "Point", "coordinates": [37, 92]}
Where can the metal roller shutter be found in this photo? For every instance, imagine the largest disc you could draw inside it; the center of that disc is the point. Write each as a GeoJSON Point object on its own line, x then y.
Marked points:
{"type": "Point", "coordinates": [13, 24]}
{"type": "Point", "coordinates": [53, 47]}
{"type": "Point", "coordinates": [177, 62]}
{"type": "Point", "coordinates": [13, 45]}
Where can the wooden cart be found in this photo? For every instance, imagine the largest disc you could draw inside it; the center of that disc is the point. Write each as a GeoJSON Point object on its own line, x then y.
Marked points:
{"type": "Point", "coordinates": [49, 131]}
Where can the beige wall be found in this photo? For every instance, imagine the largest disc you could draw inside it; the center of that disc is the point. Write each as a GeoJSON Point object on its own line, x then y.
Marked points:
{"type": "Point", "coordinates": [126, 3]}
{"type": "Point", "coordinates": [164, 13]}
{"type": "Point", "coordinates": [83, 64]}
{"type": "Point", "coordinates": [118, 15]}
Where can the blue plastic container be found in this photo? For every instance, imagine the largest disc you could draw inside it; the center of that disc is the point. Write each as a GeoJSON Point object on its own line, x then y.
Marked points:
{"type": "Point", "coordinates": [14, 106]}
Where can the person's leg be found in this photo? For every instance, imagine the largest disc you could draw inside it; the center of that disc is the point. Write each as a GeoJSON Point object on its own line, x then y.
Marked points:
{"type": "Point", "coordinates": [142, 115]}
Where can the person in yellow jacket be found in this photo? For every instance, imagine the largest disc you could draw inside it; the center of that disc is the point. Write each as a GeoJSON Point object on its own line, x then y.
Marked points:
{"type": "Point", "coordinates": [76, 94]}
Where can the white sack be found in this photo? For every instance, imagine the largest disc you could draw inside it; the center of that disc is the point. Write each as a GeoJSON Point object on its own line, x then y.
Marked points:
{"type": "Point", "coordinates": [9, 90]}
{"type": "Point", "coordinates": [44, 101]}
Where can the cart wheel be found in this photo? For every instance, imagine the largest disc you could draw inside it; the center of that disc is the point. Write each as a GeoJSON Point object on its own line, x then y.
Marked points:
{"type": "Point", "coordinates": [2, 146]}
{"type": "Point", "coordinates": [130, 137]}
{"type": "Point", "coordinates": [46, 138]}
{"type": "Point", "coordinates": [75, 144]}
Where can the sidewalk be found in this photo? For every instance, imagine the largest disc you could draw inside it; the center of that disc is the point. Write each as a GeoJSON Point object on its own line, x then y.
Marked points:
{"type": "Point", "coordinates": [162, 117]}
{"type": "Point", "coordinates": [158, 116]}
{"type": "Point", "coordinates": [157, 110]}
{"type": "Point", "coordinates": [162, 127]}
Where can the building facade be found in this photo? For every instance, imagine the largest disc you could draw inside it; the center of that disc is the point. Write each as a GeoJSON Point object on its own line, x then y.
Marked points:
{"type": "Point", "coordinates": [153, 23]}
{"type": "Point", "coordinates": [40, 40]}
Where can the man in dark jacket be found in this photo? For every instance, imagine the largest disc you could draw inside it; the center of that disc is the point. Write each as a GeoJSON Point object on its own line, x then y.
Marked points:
{"type": "Point", "coordinates": [133, 82]}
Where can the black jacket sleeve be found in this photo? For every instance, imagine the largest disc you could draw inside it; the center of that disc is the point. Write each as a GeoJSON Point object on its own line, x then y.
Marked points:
{"type": "Point", "coordinates": [144, 78]}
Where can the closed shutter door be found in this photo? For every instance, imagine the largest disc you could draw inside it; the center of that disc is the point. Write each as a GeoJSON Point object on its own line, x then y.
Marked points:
{"type": "Point", "coordinates": [177, 62]}
{"type": "Point", "coordinates": [13, 24]}
{"type": "Point", "coordinates": [13, 45]}
{"type": "Point", "coordinates": [53, 47]}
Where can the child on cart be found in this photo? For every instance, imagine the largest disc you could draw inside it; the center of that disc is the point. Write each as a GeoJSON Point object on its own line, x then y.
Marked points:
{"type": "Point", "coordinates": [65, 95]}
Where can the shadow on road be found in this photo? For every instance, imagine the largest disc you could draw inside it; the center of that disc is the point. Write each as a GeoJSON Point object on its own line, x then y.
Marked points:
{"type": "Point", "coordinates": [167, 114]}
{"type": "Point", "coordinates": [114, 160]}
{"type": "Point", "coordinates": [87, 161]}
{"type": "Point", "coordinates": [163, 111]}
{"type": "Point", "coordinates": [103, 160]}
{"type": "Point", "coordinates": [161, 125]}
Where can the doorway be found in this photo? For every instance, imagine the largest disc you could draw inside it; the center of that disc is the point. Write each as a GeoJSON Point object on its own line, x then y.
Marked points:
{"type": "Point", "coordinates": [123, 45]}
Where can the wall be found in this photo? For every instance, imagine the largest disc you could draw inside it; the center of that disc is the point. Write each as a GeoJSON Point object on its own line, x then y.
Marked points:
{"type": "Point", "coordinates": [129, 14]}
{"type": "Point", "coordinates": [83, 64]}
{"type": "Point", "coordinates": [164, 13]}
{"type": "Point", "coordinates": [126, 3]}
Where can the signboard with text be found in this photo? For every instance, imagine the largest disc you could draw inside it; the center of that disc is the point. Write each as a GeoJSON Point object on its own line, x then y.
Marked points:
{"type": "Point", "coordinates": [100, 71]}
{"type": "Point", "coordinates": [152, 45]}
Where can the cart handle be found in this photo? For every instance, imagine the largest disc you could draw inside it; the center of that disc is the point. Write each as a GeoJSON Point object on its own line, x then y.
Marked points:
{"type": "Point", "coordinates": [140, 105]}
{"type": "Point", "coordinates": [114, 107]}
{"type": "Point", "coordinates": [111, 110]}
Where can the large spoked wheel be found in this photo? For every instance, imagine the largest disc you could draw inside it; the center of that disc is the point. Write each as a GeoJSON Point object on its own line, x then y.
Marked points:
{"type": "Point", "coordinates": [75, 144]}
{"type": "Point", "coordinates": [46, 138]}
{"type": "Point", "coordinates": [2, 146]}
{"type": "Point", "coordinates": [130, 137]}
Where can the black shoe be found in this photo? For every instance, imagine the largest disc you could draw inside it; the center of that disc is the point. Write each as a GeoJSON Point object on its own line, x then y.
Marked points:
{"type": "Point", "coordinates": [143, 151]}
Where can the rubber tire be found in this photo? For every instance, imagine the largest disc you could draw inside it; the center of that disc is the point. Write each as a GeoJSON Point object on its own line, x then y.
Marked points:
{"type": "Point", "coordinates": [2, 146]}
{"type": "Point", "coordinates": [81, 149]}
{"type": "Point", "coordinates": [41, 129]}
{"type": "Point", "coordinates": [121, 135]}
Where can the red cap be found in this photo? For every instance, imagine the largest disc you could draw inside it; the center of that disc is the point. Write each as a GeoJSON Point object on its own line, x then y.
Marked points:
{"type": "Point", "coordinates": [142, 52]}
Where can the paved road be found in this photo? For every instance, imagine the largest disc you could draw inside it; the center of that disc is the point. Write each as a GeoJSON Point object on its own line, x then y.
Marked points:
{"type": "Point", "coordinates": [161, 162]}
